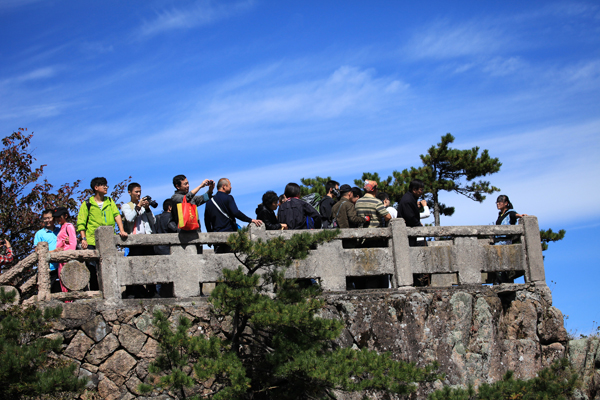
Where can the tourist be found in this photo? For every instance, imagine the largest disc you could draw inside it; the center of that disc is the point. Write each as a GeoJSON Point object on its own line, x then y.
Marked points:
{"type": "Point", "coordinates": [266, 212]}
{"type": "Point", "coordinates": [296, 213]}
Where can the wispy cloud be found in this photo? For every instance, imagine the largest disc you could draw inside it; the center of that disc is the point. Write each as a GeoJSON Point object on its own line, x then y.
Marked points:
{"type": "Point", "coordinates": [36, 74]}
{"type": "Point", "coordinates": [538, 166]}
{"type": "Point", "coordinates": [256, 105]}
{"type": "Point", "coordinates": [347, 89]}
{"type": "Point", "coordinates": [199, 14]}
{"type": "Point", "coordinates": [443, 40]}
{"type": "Point", "coordinates": [8, 4]}
{"type": "Point", "coordinates": [40, 73]}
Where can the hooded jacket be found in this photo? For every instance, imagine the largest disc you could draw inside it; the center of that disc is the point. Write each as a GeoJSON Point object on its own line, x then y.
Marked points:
{"type": "Point", "coordinates": [267, 216]}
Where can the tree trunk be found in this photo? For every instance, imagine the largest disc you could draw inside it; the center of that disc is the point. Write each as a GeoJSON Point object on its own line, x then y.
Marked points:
{"type": "Point", "coordinates": [436, 208]}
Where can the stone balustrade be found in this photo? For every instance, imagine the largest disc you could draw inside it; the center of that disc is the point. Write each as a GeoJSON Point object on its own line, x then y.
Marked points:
{"type": "Point", "coordinates": [457, 255]}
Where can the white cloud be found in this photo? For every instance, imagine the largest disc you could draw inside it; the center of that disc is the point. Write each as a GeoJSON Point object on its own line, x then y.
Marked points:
{"type": "Point", "coordinates": [546, 172]}
{"type": "Point", "coordinates": [8, 4]}
{"type": "Point", "coordinates": [500, 66]}
{"type": "Point", "coordinates": [443, 40]}
{"type": "Point", "coordinates": [40, 73]}
{"type": "Point", "coordinates": [347, 89]}
{"type": "Point", "coordinates": [251, 103]}
{"type": "Point", "coordinates": [199, 14]}
{"type": "Point", "coordinates": [36, 74]}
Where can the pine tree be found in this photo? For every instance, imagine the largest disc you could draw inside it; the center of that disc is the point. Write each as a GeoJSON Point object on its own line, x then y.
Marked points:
{"type": "Point", "coordinates": [25, 368]}
{"type": "Point", "coordinates": [274, 345]}
{"type": "Point", "coordinates": [443, 170]}
{"type": "Point", "coordinates": [313, 185]}
{"type": "Point", "coordinates": [556, 382]}
{"type": "Point", "coordinates": [550, 236]}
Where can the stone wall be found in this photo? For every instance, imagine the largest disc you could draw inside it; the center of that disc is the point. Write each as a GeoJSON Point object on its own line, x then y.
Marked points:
{"type": "Point", "coordinates": [475, 333]}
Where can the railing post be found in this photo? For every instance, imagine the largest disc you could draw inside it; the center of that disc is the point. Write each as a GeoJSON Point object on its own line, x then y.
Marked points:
{"type": "Point", "coordinates": [400, 249]}
{"type": "Point", "coordinates": [257, 232]}
{"type": "Point", "coordinates": [533, 247]}
{"type": "Point", "coordinates": [468, 260]}
{"type": "Point", "coordinates": [43, 272]}
{"type": "Point", "coordinates": [108, 277]}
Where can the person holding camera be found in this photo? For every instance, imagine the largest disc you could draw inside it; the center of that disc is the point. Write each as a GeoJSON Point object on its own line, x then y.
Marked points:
{"type": "Point", "coordinates": [139, 219]}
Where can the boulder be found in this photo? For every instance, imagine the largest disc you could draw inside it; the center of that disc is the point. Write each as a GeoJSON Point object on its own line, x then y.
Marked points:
{"type": "Point", "coordinates": [103, 349]}
{"type": "Point", "coordinates": [132, 339]}
{"type": "Point", "coordinates": [95, 328]}
{"type": "Point", "coordinates": [150, 350]}
{"type": "Point", "coordinates": [79, 346]}
{"type": "Point", "coordinates": [117, 367]}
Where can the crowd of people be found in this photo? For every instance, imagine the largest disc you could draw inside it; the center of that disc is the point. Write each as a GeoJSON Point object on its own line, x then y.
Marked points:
{"type": "Point", "coordinates": [341, 207]}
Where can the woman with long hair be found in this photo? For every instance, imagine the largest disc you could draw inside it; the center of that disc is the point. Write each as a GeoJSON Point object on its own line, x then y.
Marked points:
{"type": "Point", "coordinates": [506, 214]}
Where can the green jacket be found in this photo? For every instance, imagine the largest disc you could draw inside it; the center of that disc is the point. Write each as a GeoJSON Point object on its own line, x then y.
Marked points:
{"type": "Point", "coordinates": [97, 217]}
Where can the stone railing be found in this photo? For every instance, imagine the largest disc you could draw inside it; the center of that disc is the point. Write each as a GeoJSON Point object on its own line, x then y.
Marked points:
{"type": "Point", "coordinates": [40, 280]}
{"type": "Point", "coordinates": [459, 255]}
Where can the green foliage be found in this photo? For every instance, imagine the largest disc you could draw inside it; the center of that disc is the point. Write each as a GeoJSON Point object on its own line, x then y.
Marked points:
{"type": "Point", "coordinates": [23, 197]}
{"type": "Point", "coordinates": [313, 185]}
{"type": "Point", "coordinates": [272, 343]}
{"type": "Point", "coordinates": [550, 236]}
{"type": "Point", "coordinates": [556, 382]}
{"type": "Point", "coordinates": [25, 369]}
{"type": "Point", "coordinates": [443, 170]}
{"type": "Point", "coordinates": [383, 185]}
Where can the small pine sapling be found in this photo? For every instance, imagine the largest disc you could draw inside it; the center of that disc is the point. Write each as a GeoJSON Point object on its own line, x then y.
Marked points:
{"type": "Point", "coordinates": [25, 366]}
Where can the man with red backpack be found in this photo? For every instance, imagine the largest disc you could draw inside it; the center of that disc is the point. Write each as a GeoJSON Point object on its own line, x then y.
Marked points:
{"type": "Point", "coordinates": [182, 189]}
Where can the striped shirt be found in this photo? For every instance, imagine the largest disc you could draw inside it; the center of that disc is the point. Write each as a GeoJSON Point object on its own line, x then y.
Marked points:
{"type": "Point", "coordinates": [373, 207]}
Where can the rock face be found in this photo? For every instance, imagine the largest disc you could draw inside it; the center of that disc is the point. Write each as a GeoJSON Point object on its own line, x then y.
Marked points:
{"type": "Point", "coordinates": [584, 354]}
{"type": "Point", "coordinates": [475, 333]}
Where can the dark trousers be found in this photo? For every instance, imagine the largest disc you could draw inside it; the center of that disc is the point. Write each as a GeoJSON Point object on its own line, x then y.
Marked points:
{"type": "Point", "coordinates": [92, 266]}
{"type": "Point", "coordinates": [54, 282]}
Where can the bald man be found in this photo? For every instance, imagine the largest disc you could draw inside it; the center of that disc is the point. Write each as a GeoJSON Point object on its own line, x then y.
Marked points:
{"type": "Point", "coordinates": [221, 212]}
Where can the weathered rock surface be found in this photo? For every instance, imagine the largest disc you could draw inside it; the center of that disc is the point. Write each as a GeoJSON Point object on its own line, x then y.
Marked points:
{"type": "Point", "coordinates": [95, 328]}
{"type": "Point", "coordinates": [132, 339]}
{"type": "Point", "coordinates": [117, 367]}
{"type": "Point", "coordinates": [584, 354]}
{"type": "Point", "coordinates": [103, 349]}
{"type": "Point", "coordinates": [150, 350]}
{"type": "Point", "coordinates": [108, 389]}
{"type": "Point", "coordinates": [476, 334]}
{"type": "Point", "coordinates": [79, 346]}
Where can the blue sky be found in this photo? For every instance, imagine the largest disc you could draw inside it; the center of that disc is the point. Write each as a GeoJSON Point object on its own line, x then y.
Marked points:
{"type": "Point", "coordinates": [268, 92]}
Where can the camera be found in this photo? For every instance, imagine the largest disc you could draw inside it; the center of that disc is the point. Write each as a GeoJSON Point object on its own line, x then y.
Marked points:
{"type": "Point", "coordinates": [152, 203]}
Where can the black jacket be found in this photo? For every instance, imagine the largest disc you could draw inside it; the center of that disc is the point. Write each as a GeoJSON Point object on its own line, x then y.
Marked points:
{"type": "Point", "coordinates": [164, 224]}
{"type": "Point", "coordinates": [216, 221]}
{"type": "Point", "coordinates": [267, 216]}
{"type": "Point", "coordinates": [294, 213]}
{"type": "Point", "coordinates": [409, 210]}
{"type": "Point", "coordinates": [325, 208]}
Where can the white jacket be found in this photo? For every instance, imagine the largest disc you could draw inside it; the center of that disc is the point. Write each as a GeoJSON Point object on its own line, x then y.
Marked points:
{"type": "Point", "coordinates": [143, 221]}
